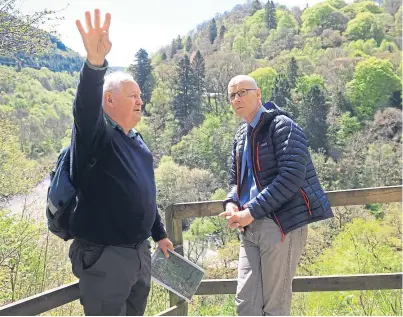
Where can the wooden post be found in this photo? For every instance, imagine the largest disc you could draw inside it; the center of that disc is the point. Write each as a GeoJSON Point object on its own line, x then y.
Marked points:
{"type": "Point", "coordinates": [174, 231]}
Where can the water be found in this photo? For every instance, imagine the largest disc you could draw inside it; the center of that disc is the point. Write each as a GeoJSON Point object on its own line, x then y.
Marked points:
{"type": "Point", "coordinates": [32, 204]}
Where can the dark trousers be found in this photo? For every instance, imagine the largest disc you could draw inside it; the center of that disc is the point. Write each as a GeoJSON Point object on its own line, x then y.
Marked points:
{"type": "Point", "coordinates": [113, 280]}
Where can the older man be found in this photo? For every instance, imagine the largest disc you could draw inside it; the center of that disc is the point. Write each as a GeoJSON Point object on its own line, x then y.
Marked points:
{"type": "Point", "coordinates": [274, 195]}
{"type": "Point", "coordinates": [116, 211]}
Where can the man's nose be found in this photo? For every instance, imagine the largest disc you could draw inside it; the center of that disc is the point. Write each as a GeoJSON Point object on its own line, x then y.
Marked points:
{"type": "Point", "coordinates": [237, 98]}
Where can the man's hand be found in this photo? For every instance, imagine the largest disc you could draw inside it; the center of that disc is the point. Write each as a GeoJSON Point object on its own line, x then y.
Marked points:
{"type": "Point", "coordinates": [96, 39]}
{"type": "Point", "coordinates": [238, 219]}
{"type": "Point", "coordinates": [231, 208]}
{"type": "Point", "coordinates": [164, 245]}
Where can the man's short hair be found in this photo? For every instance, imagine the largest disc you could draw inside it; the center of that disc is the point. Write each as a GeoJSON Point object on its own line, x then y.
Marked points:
{"type": "Point", "coordinates": [113, 81]}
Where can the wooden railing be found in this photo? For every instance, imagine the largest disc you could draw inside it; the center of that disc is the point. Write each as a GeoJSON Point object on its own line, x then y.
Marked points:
{"type": "Point", "coordinates": [51, 299]}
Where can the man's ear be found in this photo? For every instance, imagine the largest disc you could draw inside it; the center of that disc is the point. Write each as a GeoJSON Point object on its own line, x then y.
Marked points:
{"type": "Point", "coordinates": [108, 101]}
{"type": "Point", "coordinates": [258, 94]}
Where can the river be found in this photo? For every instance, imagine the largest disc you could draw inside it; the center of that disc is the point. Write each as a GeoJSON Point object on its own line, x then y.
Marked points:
{"type": "Point", "coordinates": [32, 204]}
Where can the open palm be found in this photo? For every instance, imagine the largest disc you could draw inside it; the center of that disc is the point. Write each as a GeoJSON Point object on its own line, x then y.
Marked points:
{"type": "Point", "coordinates": [96, 38]}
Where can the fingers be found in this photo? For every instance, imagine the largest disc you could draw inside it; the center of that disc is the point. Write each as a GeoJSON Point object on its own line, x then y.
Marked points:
{"type": "Point", "coordinates": [80, 28]}
{"type": "Point", "coordinates": [165, 251]}
{"type": "Point", "coordinates": [88, 21]}
{"type": "Point", "coordinates": [225, 214]}
{"type": "Point", "coordinates": [234, 225]}
{"type": "Point", "coordinates": [97, 19]}
{"type": "Point", "coordinates": [107, 22]}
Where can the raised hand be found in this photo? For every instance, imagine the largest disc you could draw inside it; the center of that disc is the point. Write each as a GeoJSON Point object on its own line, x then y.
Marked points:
{"type": "Point", "coordinates": [96, 38]}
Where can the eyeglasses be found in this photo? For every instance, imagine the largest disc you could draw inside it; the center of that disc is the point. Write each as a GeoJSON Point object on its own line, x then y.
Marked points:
{"type": "Point", "coordinates": [240, 93]}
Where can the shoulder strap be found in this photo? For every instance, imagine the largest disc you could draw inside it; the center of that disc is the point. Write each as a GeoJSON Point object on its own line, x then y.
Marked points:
{"type": "Point", "coordinates": [94, 159]}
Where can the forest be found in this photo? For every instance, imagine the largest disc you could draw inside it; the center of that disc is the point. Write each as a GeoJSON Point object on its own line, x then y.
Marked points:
{"type": "Point", "coordinates": [335, 66]}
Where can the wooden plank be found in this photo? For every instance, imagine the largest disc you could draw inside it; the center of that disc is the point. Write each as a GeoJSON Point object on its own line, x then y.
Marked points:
{"type": "Point", "coordinates": [48, 300]}
{"type": "Point", "coordinates": [42, 302]}
{"type": "Point", "coordinates": [365, 196]}
{"type": "Point", "coordinates": [172, 311]}
{"type": "Point", "coordinates": [348, 282]}
{"type": "Point", "coordinates": [315, 283]}
{"type": "Point", "coordinates": [337, 198]}
{"type": "Point", "coordinates": [174, 231]}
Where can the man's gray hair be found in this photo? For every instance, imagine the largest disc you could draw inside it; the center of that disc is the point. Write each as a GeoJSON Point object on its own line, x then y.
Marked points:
{"type": "Point", "coordinates": [114, 81]}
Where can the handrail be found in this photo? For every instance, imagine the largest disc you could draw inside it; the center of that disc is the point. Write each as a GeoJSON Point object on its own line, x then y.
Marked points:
{"type": "Point", "coordinates": [174, 214]}
{"type": "Point", "coordinates": [59, 296]}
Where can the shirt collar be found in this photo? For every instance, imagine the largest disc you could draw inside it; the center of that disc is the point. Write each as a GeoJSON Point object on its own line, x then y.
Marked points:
{"type": "Point", "coordinates": [132, 133]}
{"type": "Point", "coordinates": [256, 119]}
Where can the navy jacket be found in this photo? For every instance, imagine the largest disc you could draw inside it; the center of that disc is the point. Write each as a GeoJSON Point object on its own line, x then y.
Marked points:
{"type": "Point", "coordinates": [289, 189]}
{"type": "Point", "coordinates": [117, 204]}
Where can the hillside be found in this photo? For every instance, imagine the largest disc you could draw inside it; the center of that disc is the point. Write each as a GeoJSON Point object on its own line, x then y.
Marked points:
{"type": "Point", "coordinates": [57, 58]}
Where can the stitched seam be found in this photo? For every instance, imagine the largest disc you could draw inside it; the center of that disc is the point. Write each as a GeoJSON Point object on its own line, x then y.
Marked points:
{"type": "Point", "coordinates": [287, 273]}
{"type": "Point", "coordinates": [256, 288]}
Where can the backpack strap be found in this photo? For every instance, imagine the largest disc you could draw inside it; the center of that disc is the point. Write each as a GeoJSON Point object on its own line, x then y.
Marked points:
{"type": "Point", "coordinates": [99, 152]}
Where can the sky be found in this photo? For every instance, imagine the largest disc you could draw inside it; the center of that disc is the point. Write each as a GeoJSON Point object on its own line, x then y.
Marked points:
{"type": "Point", "coordinates": [135, 24]}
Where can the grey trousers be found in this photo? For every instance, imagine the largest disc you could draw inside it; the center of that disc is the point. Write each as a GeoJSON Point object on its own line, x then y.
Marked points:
{"type": "Point", "coordinates": [112, 280]}
{"type": "Point", "coordinates": [266, 268]}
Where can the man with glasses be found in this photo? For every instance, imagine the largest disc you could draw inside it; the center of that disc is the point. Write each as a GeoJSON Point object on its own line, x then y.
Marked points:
{"type": "Point", "coordinates": [274, 194]}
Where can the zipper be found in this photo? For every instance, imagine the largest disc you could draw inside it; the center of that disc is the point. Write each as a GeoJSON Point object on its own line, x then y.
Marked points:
{"type": "Point", "coordinates": [257, 157]}
{"type": "Point", "coordinates": [306, 199]}
{"type": "Point", "coordinates": [253, 159]}
{"type": "Point", "coordinates": [237, 173]}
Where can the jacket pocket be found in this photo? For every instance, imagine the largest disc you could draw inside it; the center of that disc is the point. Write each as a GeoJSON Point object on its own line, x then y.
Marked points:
{"type": "Point", "coordinates": [306, 200]}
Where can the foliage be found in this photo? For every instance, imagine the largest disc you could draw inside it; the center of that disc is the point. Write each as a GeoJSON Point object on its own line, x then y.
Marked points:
{"type": "Point", "coordinates": [312, 115]}
{"type": "Point", "coordinates": [270, 15]}
{"type": "Point", "coordinates": [265, 79]}
{"type": "Point", "coordinates": [21, 33]}
{"type": "Point", "coordinates": [372, 86]}
{"type": "Point", "coordinates": [213, 31]}
{"type": "Point", "coordinates": [365, 26]}
{"type": "Point", "coordinates": [316, 16]}
{"type": "Point", "coordinates": [141, 71]}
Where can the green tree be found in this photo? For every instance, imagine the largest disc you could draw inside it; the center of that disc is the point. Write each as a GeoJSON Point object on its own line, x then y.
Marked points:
{"type": "Point", "coordinates": [21, 33]}
{"type": "Point", "coordinates": [359, 7]}
{"type": "Point", "coordinates": [185, 101]}
{"type": "Point", "coordinates": [372, 86]}
{"type": "Point", "coordinates": [365, 26]}
{"type": "Point", "coordinates": [285, 21]}
{"type": "Point", "coordinates": [207, 146]}
{"type": "Point", "coordinates": [292, 72]}
{"type": "Point", "coordinates": [256, 5]}
{"type": "Point", "coordinates": [222, 31]}
{"type": "Point", "coordinates": [17, 174]}
{"type": "Point", "coordinates": [313, 115]}
{"type": "Point", "coordinates": [363, 247]}
{"type": "Point", "coordinates": [398, 22]}
{"type": "Point", "coordinates": [281, 92]}
{"type": "Point", "coordinates": [270, 15]}
{"type": "Point", "coordinates": [179, 44]}
{"type": "Point", "coordinates": [265, 80]}
{"type": "Point", "coordinates": [173, 48]}
{"type": "Point", "coordinates": [199, 77]}
{"type": "Point", "coordinates": [338, 4]}
{"type": "Point", "coordinates": [212, 31]}
{"type": "Point", "coordinates": [173, 181]}
{"type": "Point", "coordinates": [349, 125]}
{"type": "Point", "coordinates": [305, 83]}
{"type": "Point", "coordinates": [188, 45]}
{"type": "Point", "coordinates": [141, 70]}
{"type": "Point", "coordinates": [316, 16]}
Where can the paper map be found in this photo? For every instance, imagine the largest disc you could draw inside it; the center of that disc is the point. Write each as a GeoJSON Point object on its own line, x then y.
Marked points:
{"type": "Point", "coordinates": [176, 273]}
